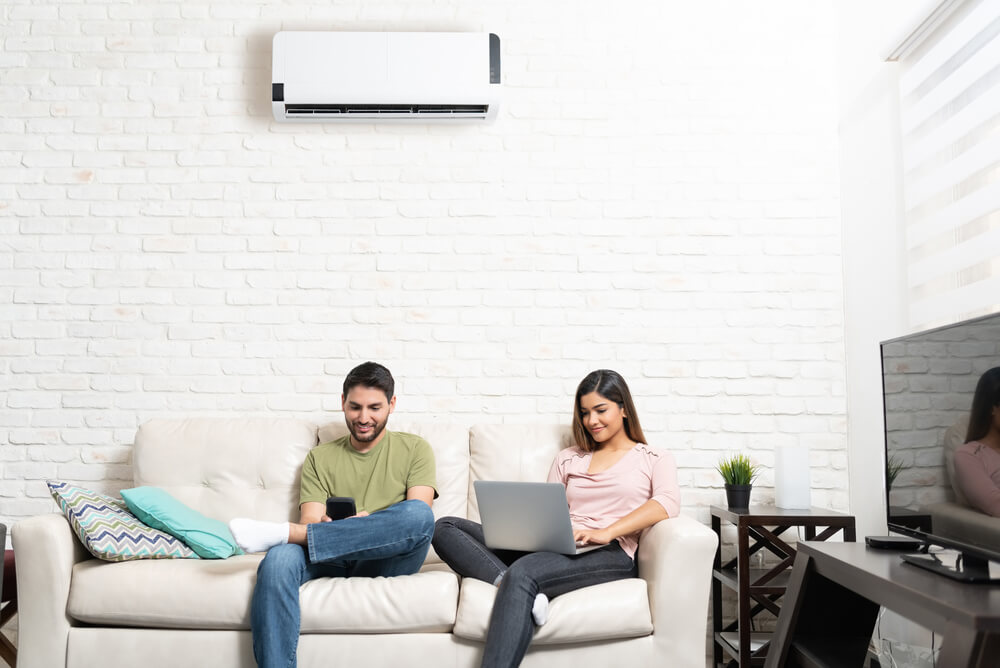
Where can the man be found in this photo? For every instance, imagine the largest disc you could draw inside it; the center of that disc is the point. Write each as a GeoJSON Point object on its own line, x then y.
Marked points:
{"type": "Point", "coordinates": [391, 477]}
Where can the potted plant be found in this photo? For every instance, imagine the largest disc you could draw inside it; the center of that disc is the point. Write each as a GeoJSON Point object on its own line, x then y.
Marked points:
{"type": "Point", "coordinates": [738, 472]}
{"type": "Point", "coordinates": [893, 466]}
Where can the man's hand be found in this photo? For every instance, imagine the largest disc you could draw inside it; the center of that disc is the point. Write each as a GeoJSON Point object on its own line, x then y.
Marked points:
{"type": "Point", "coordinates": [363, 513]}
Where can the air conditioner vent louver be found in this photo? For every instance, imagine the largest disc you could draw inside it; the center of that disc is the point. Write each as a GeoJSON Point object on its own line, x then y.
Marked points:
{"type": "Point", "coordinates": [375, 110]}
{"type": "Point", "coordinates": [323, 76]}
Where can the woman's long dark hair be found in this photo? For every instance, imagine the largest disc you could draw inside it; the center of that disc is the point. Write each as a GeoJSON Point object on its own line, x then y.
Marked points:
{"type": "Point", "coordinates": [986, 399]}
{"type": "Point", "coordinates": [610, 385]}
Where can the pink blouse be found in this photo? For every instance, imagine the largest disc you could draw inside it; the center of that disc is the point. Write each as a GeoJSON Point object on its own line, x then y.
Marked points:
{"type": "Point", "coordinates": [977, 471]}
{"type": "Point", "coordinates": [597, 500]}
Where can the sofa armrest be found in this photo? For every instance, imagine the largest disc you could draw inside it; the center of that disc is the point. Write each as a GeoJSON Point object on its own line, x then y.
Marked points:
{"type": "Point", "coordinates": [963, 523]}
{"type": "Point", "coordinates": [675, 558]}
{"type": "Point", "coordinates": [46, 550]}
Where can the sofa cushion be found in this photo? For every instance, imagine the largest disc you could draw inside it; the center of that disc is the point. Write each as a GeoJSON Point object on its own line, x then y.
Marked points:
{"type": "Point", "coordinates": [422, 603]}
{"type": "Point", "coordinates": [512, 452]}
{"type": "Point", "coordinates": [209, 538]}
{"type": "Point", "coordinates": [226, 467]}
{"type": "Point", "coordinates": [617, 609]}
{"type": "Point", "coordinates": [215, 594]}
{"type": "Point", "coordinates": [201, 594]}
{"type": "Point", "coordinates": [109, 531]}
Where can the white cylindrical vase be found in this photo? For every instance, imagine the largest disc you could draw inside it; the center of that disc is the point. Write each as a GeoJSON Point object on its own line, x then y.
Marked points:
{"type": "Point", "coordinates": [791, 477]}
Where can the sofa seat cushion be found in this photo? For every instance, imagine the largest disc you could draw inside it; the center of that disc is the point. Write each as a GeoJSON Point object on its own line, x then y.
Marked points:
{"type": "Point", "coordinates": [215, 594]}
{"type": "Point", "coordinates": [420, 603]}
{"type": "Point", "coordinates": [617, 609]}
{"type": "Point", "coordinates": [181, 593]}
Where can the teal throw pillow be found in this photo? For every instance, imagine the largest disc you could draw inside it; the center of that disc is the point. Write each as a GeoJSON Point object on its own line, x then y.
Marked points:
{"type": "Point", "coordinates": [210, 539]}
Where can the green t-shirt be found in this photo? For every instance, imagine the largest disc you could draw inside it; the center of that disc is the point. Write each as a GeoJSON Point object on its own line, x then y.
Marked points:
{"type": "Point", "coordinates": [376, 479]}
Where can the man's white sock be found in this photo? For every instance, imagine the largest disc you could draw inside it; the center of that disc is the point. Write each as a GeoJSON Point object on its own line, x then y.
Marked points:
{"type": "Point", "coordinates": [540, 610]}
{"type": "Point", "coordinates": [257, 536]}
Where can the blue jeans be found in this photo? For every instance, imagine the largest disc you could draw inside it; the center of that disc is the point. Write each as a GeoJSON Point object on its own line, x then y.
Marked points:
{"type": "Point", "coordinates": [390, 542]}
{"type": "Point", "coordinates": [459, 542]}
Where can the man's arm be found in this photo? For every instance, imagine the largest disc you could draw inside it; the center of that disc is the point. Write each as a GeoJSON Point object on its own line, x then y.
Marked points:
{"type": "Point", "coordinates": [423, 493]}
{"type": "Point", "coordinates": [312, 512]}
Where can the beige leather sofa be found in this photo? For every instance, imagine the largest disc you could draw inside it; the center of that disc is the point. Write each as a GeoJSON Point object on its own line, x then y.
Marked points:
{"type": "Point", "coordinates": [80, 612]}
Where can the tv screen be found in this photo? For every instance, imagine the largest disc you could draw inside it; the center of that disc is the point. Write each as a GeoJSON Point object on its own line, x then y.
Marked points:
{"type": "Point", "coordinates": [929, 379]}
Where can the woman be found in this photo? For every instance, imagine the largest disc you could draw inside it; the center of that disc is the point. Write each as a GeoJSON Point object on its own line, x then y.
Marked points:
{"type": "Point", "coordinates": [616, 486]}
{"type": "Point", "coordinates": [977, 463]}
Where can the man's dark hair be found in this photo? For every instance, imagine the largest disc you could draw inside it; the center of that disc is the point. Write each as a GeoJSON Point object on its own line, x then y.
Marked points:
{"type": "Point", "coordinates": [371, 374]}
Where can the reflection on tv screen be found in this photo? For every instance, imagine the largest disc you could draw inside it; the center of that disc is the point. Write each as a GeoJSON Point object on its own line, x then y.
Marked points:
{"type": "Point", "coordinates": [930, 380]}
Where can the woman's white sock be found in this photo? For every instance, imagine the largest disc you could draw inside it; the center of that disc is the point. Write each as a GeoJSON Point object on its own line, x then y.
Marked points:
{"type": "Point", "coordinates": [540, 610]}
{"type": "Point", "coordinates": [257, 536]}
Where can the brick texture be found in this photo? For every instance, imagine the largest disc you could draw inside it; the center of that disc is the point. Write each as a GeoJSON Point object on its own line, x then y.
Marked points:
{"type": "Point", "coordinates": [659, 195]}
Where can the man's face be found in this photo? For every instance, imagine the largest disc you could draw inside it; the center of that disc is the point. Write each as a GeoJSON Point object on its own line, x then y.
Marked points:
{"type": "Point", "coordinates": [366, 411]}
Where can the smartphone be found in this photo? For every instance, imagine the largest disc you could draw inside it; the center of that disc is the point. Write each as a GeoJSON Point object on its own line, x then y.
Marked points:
{"type": "Point", "coordinates": [339, 507]}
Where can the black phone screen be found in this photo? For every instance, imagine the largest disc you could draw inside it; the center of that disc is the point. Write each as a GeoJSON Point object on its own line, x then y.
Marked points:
{"type": "Point", "coordinates": [339, 507]}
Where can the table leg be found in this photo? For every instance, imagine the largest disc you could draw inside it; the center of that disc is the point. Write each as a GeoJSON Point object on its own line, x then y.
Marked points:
{"type": "Point", "coordinates": [963, 647]}
{"type": "Point", "coordinates": [8, 652]}
{"type": "Point", "coordinates": [717, 653]}
{"type": "Point", "coordinates": [743, 578]}
{"type": "Point", "coordinates": [821, 619]}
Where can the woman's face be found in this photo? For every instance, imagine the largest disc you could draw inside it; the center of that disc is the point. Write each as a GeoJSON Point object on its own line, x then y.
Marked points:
{"type": "Point", "coordinates": [602, 417]}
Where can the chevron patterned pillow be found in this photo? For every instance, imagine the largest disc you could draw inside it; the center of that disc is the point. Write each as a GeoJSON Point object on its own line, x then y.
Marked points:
{"type": "Point", "coordinates": [109, 531]}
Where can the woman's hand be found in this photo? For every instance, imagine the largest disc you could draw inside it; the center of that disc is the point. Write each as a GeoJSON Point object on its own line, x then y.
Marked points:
{"type": "Point", "coordinates": [592, 536]}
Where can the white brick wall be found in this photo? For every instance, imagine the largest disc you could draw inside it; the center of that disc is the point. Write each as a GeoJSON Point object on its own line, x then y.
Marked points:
{"type": "Point", "coordinates": [659, 195]}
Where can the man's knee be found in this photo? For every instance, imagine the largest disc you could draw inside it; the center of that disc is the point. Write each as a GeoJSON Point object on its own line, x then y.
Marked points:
{"type": "Point", "coordinates": [419, 516]}
{"type": "Point", "coordinates": [280, 562]}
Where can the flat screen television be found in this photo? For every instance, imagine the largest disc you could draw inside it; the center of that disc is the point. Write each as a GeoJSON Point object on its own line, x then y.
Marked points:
{"type": "Point", "coordinates": [928, 382]}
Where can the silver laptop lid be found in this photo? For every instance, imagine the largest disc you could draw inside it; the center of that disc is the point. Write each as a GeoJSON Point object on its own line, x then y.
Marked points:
{"type": "Point", "coordinates": [525, 516]}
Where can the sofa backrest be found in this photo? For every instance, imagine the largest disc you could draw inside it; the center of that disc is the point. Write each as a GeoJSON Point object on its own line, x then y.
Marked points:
{"type": "Point", "coordinates": [250, 467]}
{"type": "Point", "coordinates": [512, 452]}
{"type": "Point", "coordinates": [226, 467]}
{"type": "Point", "coordinates": [954, 437]}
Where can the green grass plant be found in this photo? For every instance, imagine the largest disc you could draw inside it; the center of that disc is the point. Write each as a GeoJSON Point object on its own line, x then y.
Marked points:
{"type": "Point", "coordinates": [892, 468]}
{"type": "Point", "coordinates": [737, 470]}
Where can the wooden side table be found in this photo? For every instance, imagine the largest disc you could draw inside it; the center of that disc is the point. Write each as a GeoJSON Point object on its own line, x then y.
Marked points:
{"type": "Point", "coordinates": [8, 600]}
{"type": "Point", "coordinates": [759, 589]}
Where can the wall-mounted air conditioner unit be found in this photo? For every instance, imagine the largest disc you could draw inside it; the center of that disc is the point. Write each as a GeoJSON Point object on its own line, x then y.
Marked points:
{"type": "Point", "coordinates": [411, 76]}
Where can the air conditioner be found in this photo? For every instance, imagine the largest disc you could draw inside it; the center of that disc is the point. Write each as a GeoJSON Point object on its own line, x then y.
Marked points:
{"type": "Point", "coordinates": [410, 76]}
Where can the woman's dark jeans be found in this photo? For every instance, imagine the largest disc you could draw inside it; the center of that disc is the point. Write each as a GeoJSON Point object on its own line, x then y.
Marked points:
{"type": "Point", "coordinates": [459, 542]}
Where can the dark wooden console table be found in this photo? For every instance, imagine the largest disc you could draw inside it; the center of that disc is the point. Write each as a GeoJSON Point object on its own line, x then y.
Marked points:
{"type": "Point", "coordinates": [8, 599]}
{"type": "Point", "coordinates": [834, 596]}
{"type": "Point", "coordinates": [758, 589]}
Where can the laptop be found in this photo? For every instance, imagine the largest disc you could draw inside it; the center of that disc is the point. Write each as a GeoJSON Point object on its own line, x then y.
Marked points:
{"type": "Point", "coordinates": [526, 516]}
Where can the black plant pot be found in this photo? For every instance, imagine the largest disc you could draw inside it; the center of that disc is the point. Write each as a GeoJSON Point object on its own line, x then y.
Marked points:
{"type": "Point", "coordinates": [738, 496]}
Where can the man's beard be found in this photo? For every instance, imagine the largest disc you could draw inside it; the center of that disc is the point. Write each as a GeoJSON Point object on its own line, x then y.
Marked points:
{"type": "Point", "coordinates": [377, 429]}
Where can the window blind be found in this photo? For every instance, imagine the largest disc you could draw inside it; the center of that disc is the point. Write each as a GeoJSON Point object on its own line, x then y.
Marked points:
{"type": "Point", "coordinates": [950, 130]}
